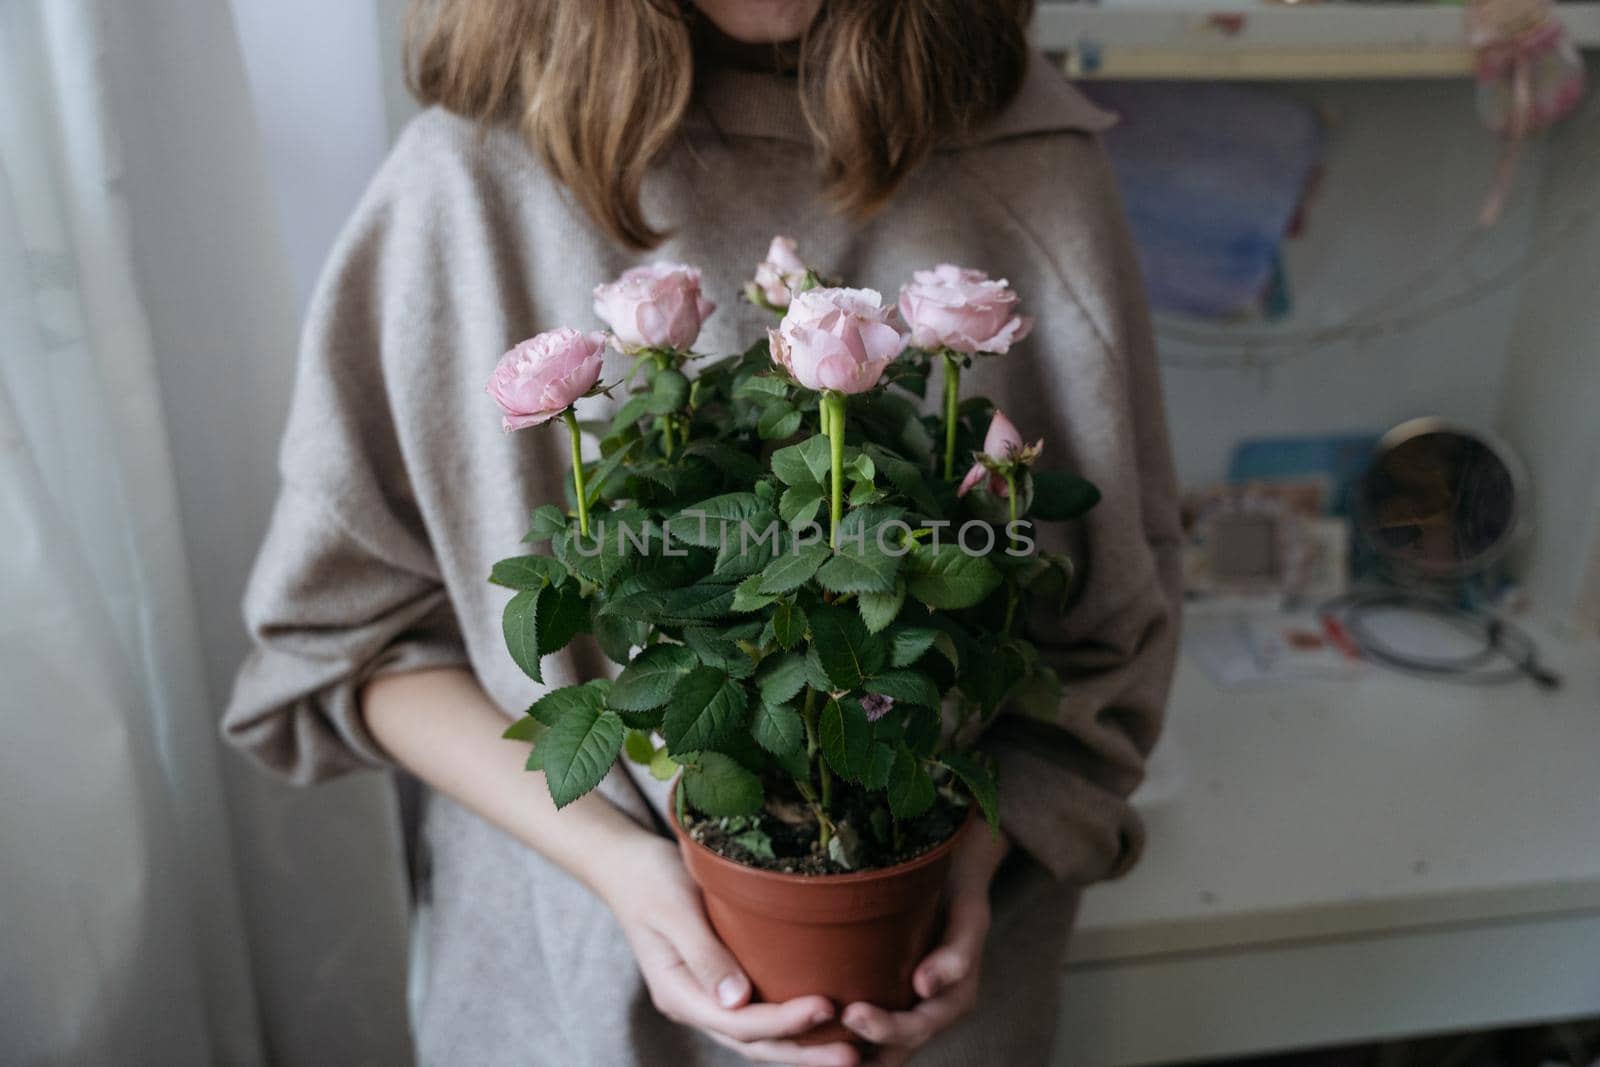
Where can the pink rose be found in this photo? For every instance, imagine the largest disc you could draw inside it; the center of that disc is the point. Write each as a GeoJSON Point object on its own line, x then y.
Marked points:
{"type": "Point", "coordinates": [544, 375]}
{"type": "Point", "coordinates": [1001, 445]}
{"type": "Point", "coordinates": [657, 305]}
{"type": "Point", "coordinates": [782, 271]}
{"type": "Point", "coordinates": [962, 310]}
{"type": "Point", "coordinates": [838, 339]}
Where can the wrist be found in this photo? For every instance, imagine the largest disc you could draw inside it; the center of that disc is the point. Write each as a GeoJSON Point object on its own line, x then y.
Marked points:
{"type": "Point", "coordinates": [631, 862]}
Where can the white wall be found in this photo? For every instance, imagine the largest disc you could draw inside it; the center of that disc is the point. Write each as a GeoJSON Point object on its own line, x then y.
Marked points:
{"type": "Point", "coordinates": [1551, 409]}
{"type": "Point", "coordinates": [1407, 165]}
{"type": "Point", "coordinates": [315, 74]}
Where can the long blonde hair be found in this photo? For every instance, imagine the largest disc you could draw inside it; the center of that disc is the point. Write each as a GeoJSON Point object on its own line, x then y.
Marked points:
{"type": "Point", "coordinates": [599, 88]}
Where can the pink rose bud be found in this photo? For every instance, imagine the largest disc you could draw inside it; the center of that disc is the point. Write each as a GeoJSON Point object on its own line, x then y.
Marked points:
{"type": "Point", "coordinates": [962, 310]}
{"type": "Point", "coordinates": [1001, 445]}
{"type": "Point", "coordinates": [838, 339]}
{"type": "Point", "coordinates": [782, 271]}
{"type": "Point", "coordinates": [544, 375]}
{"type": "Point", "coordinates": [876, 705]}
{"type": "Point", "coordinates": [657, 305]}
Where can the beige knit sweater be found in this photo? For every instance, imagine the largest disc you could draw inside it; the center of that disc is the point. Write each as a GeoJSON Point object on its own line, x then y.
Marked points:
{"type": "Point", "coordinates": [400, 489]}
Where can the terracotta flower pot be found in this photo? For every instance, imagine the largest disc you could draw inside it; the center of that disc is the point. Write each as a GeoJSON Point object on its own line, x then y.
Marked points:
{"type": "Point", "coordinates": [848, 937]}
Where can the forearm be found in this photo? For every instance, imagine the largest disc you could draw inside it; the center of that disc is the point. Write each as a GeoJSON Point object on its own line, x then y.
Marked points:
{"type": "Point", "coordinates": [441, 726]}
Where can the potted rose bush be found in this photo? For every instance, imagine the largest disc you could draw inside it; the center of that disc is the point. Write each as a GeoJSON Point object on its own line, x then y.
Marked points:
{"type": "Point", "coordinates": [815, 608]}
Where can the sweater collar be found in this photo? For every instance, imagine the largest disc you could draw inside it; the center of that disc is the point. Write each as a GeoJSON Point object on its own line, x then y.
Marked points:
{"type": "Point", "coordinates": [754, 104]}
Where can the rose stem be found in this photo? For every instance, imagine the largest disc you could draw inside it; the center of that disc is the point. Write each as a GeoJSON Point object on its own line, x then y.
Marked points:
{"type": "Point", "coordinates": [824, 827]}
{"type": "Point", "coordinates": [952, 400]}
{"type": "Point", "coordinates": [571, 420]}
{"type": "Point", "coordinates": [834, 423]}
{"type": "Point", "coordinates": [1011, 500]}
{"type": "Point", "coordinates": [1011, 589]}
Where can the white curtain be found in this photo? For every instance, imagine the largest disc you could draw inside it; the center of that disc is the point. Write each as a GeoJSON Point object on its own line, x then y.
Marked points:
{"type": "Point", "coordinates": [159, 902]}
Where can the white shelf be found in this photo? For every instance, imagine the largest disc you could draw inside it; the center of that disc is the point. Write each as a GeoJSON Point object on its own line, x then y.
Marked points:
{"type": "Point", "coordinates": [1338, 862]}
{"type": "Point", "coordinates": [1262, 41]}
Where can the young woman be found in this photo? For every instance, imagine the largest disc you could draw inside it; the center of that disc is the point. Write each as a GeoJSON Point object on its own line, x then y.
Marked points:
{"type": "Point", "coordinates": [567, 140]}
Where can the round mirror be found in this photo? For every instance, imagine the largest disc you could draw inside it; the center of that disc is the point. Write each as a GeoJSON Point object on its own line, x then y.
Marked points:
{"type": "Point", "coordinates": [1438, 501]}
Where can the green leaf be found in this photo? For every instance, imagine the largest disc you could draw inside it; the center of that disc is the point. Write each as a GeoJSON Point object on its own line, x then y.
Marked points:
{"type": "Point", "coordinates": [719, 787]}
{"type": "Point", "coordinates": [910, 787]}
{"type": "Point", "coordinates": [1059, 496]}
{"type": "Point", "coordinates": [662, 765]}
{"type": "Point", "coordinates": [520, 625]}
{"type": "Point", "coordinates": [748, 597]}
{"type": "Point", "coordinates": [905, 477]}
{"type": "Point", "coordinates": [709, 523]}
{"type": "Point", "coordinates": [756, 842]}
{"type": "Point", "coordinates": [739, 466]}
{"type": "Point", "coordinates": [801, 503]}
{"type": "Point", "coordinates": [816, 677]}
{"type": "Point", "coordinates": [850, 571]}
{"type": "Point", "coordinates": [706, 708]}
{"type": "Point", "coordinates": [949, 579]}
{"type": "Point", "coordinates": [638, 747]}
{"type": "Point", "coordinates": [527, 572]}
{"type": "Point", "coordinates": [599, 472]}
{"type": "Point", "coordinates": [979, 782]}
{"type": "Point", "coordinates": [649, 680]}
{"type": "Point", "coordinates": [760, 385]}
{"type": "Point", "coordinates": [790, 570]}
{"type": "Point", "coordinates": [789, 624]}
{"type": "Point", "coordinates": [554, 705]}
{"type": "Point", "coordinates": [749, 546]}
{"type": "Point", "coordinates": [846, 652]}
{"type": "Point", "coordinates": [906, 687]}
{"type": "Point", "coordinates": [846, 737]}
{"type": "Point", "coordinates": [617, 636]}
{"type": "Point", "coordinates": [597, 557]}
{"type": "Point", "coordinates": [878, 610]}
{"type": "Point", "coordinates": [668, 393]}
{"type": "Point", "coordinates": [778, 420]}
{"type": "Point", "coordinates": [806, 463]}
{"type": "Point", "coordinates": [778, 729]}
{"type": "Point", "coordinates": [879, 763]}
{"type": "Point", "coordinates": [910, 643]}
{"type": "Point", "coordinates": [631, 411]}
{"type": "Point", "coordinates": [563, 613]}
{"type": "Point", "coordinates": [548, 520]}
{"type": "Point", "coordinates": [578, 751]}
{"type": "Point", "coordinates": [535, 759]}
{"type": "Point", "coordinates": [922, 729]}
{"type": "Point", "coordinates": [720, 650]}
{"type": "Point", "coordinates": [779, 678]}
{"type": "Point", "coordinates": [526, 728]}
{"type": "Point", "coordinates": [695, 603]}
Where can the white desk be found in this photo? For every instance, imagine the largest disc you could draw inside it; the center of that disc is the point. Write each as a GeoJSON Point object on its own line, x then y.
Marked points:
{"type": "Point", "coordinates": [1337, 862]}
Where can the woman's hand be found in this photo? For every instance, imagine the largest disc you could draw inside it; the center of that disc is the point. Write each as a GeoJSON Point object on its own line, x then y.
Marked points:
{"type": "Point", "coordinates": [947, 979]}
{"type": "Point", "coordinates": [692, 977]}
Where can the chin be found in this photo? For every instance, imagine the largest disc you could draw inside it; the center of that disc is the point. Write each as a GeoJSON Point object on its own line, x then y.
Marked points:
{"type": "Point", "coordinates": [760, 21]}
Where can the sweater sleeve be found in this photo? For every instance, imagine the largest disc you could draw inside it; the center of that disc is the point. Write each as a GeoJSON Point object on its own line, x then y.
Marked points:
{"type": "Point", "coordinates": [1064, 783]}
{"type": "Point", "coordinates": [346, 585]}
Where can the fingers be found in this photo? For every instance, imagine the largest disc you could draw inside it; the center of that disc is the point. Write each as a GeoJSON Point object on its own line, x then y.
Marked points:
{"type": "Point", "coordinates": [712, 965]}
{"type": "Point", "coordinates": [914, 1028]}
{"type": "Point", "coordinates": [966, 930]}
{"type": "Point", "coordinates": [681, 999]}
{"type": "Point", "coordinates": [836, 1054]}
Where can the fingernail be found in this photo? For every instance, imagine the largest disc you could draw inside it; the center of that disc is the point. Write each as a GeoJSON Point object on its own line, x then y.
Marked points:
{"type": "Point", "coordinates": [729, 990]}
{"type": "Point", "coordinates": [821, 1015]}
